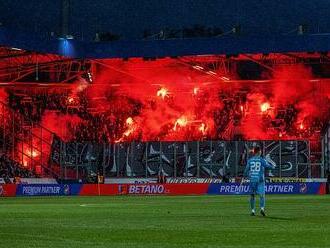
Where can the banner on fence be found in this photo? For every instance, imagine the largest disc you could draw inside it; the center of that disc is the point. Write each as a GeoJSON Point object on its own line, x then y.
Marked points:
{"type": "Point", "coordinates": [130, 180]}
{"type": "Point", "coordinates": [180, 180]}
{"type": "Point", "coordinates": [295, 180]}
{"type": "Point", "coordinates": [192, 180]}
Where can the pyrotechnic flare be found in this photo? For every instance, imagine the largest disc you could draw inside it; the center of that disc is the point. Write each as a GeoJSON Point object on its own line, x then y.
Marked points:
{"type": "Point", "coordinates": [203, 128]}
{"type": "Point", "coordinates": [32, 153]}
{"type": "Point", "coordinates": [130, 129]}
{"type": "Point", "coordinates": [80, 86]}
{"type": "Point", "coordinates": [29, 153]}
{"type": "Point", "coordinates": [181, 122]}
{"type": "Point", "coordinates": [196, 89]}
{"type": "Point", "coordinates": [264, 107]}
{"type": "Point", "coordinates": [162, 92]}
{"type": "Point", "coordinates": [128, 132]}
{"type": "Point", "coordinates": [129, 121]}
{"type": "Point", "coordinates": [70, 99]}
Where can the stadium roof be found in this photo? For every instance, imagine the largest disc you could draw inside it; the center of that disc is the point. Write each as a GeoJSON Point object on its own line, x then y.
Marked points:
{"type": "Point", "coordinates": [230, 45]}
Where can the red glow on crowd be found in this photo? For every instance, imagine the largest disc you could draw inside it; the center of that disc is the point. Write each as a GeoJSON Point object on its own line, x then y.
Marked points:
{"type": "Point", "coordinates": [29, 155]}
{"type": "Point", "coordinates": [130, 128]}
{"type": "Point", "coordinates": [166, 100]}
{"type": "Point", "coordinates": [32, 153]}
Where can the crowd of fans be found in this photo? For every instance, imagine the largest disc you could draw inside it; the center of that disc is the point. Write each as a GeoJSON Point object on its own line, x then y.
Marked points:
{"type": "Point", "coordinates": [106, 124]}
{"type": "Point", "coordinates": [12, 169]}
{"type": "Point", "coordinates": [33, 106]}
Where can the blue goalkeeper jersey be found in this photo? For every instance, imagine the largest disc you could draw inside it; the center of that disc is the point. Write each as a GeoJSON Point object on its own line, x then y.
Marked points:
{"type": "Point", "coordinates": [255, 169]}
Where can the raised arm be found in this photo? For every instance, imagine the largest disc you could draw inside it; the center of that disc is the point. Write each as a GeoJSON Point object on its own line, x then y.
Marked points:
{"type": "Point", "coordinates": [268, 163]}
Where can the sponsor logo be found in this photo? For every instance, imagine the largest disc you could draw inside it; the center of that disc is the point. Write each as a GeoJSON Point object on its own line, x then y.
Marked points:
{"type": "Point", "coordinates": [303, 188]}
{"type": "Point", "coordinates": [245, 189]}
{"type": "Point", "coordinates": [122, 189]}
{"type": "Point", "coordinates": [278, 188]}
{"type": "Point", "coordinates": [66, 189]}
{"type": "Point", "coordinates": [146, 189]}
{"type": "Point", "coordinates": [234, 189]}
{"type": "Point", "coordinates": [41, 190]}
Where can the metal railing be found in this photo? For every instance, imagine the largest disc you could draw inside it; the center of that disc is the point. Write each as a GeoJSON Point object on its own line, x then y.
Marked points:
{"type": "Point", "coordinates": [25, 142]}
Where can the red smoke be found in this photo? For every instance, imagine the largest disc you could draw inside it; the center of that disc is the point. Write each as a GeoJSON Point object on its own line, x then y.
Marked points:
{"type": "Point", "coordinates": [62, 125]}
{"type": "Point", "coordinates": [28, 154]}
{"type": "Point", "coordinates": [168, 100]}
{"type": "Point", "coordinates": [157, 95]}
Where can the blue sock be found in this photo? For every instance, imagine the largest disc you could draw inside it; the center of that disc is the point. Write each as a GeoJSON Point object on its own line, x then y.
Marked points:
{"type": "Point", "coordinates": [252, 202]}
{"type": "Point", "coordinates": [262, 201]}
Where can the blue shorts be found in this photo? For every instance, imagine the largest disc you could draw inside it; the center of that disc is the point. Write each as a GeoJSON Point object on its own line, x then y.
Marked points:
{"type": "Point", "coordinates": [257, 188]}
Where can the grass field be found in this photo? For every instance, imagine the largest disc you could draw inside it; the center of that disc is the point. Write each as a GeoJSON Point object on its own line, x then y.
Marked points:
{"type": "Point", "coordinates": [190, 221]}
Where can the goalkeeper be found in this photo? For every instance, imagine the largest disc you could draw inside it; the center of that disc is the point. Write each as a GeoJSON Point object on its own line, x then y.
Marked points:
{"type": "Point", "coordinates": [255, 171]}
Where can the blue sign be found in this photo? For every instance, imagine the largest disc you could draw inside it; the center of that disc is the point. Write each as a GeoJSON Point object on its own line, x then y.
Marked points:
{"type": "Point", "coordinates": [270, 188]}
{"type": "Point", "coordinates": [47, 189]}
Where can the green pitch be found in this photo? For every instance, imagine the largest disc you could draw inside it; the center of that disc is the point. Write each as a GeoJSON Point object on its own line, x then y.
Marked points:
{"type": "Point", "coordinates": [190, 221]}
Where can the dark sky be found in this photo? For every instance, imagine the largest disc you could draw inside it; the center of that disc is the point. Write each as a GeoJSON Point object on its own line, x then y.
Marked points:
{"type": "Point", "coordinates": [130, 17]}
